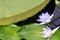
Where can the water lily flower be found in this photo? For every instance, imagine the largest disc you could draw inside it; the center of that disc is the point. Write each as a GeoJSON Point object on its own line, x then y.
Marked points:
{"type": "Point", "coordinates": [49, 32]}
{"type": "Point", "coordinates": [45, 18]}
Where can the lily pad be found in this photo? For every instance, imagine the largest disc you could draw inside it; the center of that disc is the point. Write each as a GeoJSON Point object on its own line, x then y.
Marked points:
{"type": "Point", "coordinates": [17, 10]}
{"type": "Point", "coordinates": [9, 33]}
{"type": "Point", "coordinates": [32, 32]}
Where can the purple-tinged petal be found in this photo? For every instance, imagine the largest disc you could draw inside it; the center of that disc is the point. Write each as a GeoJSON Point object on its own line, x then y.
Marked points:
{"type": "Point", "coordinates": [43, 14]}
{"type": "Point", "coordinates": [40, 16]}
{"type": "Point", "coordinates": [47, 14]}
{"type": "Point", "coordinates": [39, 20]}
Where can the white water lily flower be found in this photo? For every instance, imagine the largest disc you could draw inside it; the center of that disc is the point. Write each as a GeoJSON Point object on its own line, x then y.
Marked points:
{"type": "Point", "coordinates": [48, 32]}
{"type": "Point", "coordinates": [45, 18]}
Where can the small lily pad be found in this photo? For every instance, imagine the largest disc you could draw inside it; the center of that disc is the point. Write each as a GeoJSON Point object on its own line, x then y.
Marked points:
{"type": "Point", "coordinates": [9, 33]}
{"type": "Point", "coordinates": [32, 32]}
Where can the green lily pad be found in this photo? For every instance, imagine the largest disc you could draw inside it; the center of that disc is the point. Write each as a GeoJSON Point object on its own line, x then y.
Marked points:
{"type": "Point", "coordinates": [56, 36]}
{"type": "Point", "coordinates": [17, 10]}
{"type": "Point", "coordinates": [32, 32]}
{"type": "Point", "coordinates": [9, 33]}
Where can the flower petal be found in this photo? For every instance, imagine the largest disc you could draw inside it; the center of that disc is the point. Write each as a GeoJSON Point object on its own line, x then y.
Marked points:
{"type": "Point", "coordinates": [47, 32]}
{"type": "Point", "coordinates": [47, 14]}
{"type": "Point", "coordinates": [43, 14]}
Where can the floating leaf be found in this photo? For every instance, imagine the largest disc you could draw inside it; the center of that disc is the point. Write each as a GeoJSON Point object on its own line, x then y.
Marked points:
{"type": "Point", "coordinates": [32, 32]}
{"type": "Point", "coordinates": [9, 33]}
{"type": "Point", "coordinates": [17, 10]}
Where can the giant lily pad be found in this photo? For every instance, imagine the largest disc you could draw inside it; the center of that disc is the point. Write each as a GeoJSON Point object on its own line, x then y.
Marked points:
{"type": "Point", "coordinates": [17, 10]}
